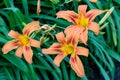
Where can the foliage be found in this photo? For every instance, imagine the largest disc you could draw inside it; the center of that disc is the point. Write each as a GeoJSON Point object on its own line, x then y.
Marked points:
{"type": "Point", "coordinates": [104, 48]}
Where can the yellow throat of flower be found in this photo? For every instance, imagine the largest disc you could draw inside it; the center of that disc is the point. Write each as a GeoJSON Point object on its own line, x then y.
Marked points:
{"type": "Point", "coordinates": [68, 49]}
{"type": "Point", "coordinates": [82, 21]}
{"type": "Point", "coordinates": [24, 40]}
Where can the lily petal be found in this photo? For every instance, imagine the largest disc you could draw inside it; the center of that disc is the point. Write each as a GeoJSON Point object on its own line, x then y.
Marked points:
{"type": "Point", "coordinates": [84, 36]}
{"type": "Point", "coordinates": [19, 52]}
{"type": "Point", "coordinates": [14, 34]}
{"type": "Point", "coordinates": [82, 9]}
{"type": "Point", "coordinates": [94, 27]}
{"type": "Point", "coordinates": [58, 59]}
{"type": "Point", "coordinates": [10, 46]}
{"type": "Point", "coordinates": [93, 0]}
{"type": "Point", "coordinates": [29, 28]}
{"type": "Point", "coordinates": [77, 66]}
{"type": "Point", "coordinates": [34, 43]}
{"type": "Point", "coordinates": [72, 28]}
{"type": "Point", "coordinates": [60, 37]}
{"type": "Point", "coordinates": [82, 51]}
{"type": "Point", "coordinates": [69, 29]}
{"type": "Point", "coordinates": [68, 15]}
{"type": "Point", "coordinates": [56, 45]}
{"type": "Point", "coordinates": [52, 51]}
{"type": "Point", "coordinates": [93, 13]}
{"type": "Point", "coordinates": [27, 52]}
{"type": "Point", "coordinates": [73, 36]}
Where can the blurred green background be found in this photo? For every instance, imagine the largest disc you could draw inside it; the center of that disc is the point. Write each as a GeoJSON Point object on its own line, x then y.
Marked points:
{"type": "Point", "coordinates": [103, 62]}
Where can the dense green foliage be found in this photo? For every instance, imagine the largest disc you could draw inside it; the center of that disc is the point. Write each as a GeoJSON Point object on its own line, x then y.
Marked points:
{"type": "Point", "coordinates": [103, 58]}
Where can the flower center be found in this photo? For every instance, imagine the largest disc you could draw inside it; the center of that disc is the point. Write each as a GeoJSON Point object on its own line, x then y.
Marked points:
{"type": "Point", "coordinates": [68, 49]}
{"type": "Point", "coordinates": [24, 40]}
{"type": "Point", "coordinates": [82, 21]}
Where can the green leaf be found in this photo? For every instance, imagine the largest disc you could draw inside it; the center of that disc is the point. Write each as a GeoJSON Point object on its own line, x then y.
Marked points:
{"type": "Point", "coordinates": [105, 75]}
{"type": "Point", "coordinates": [16, 62]}
{"type": "Point", "coordinates": [64, 71]}
{"type": "Point", "coordinates": [114, 55]}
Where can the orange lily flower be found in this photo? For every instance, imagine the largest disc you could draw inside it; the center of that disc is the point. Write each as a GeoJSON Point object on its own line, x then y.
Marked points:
{"type": "Point", "coordinates": [65, 47]}
{"type": "Point", "coordinates": [81, 21]}
{"type": "Point", "coordinates": [23, 42]}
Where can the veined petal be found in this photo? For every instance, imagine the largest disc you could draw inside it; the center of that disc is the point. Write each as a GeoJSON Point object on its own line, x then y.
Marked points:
{"type": "Point", "coordinates": [93, 13]}
{"type": "Point", "coordinates": [69, 29]}
{"type": "Point", "coordinates": [27, 52]}
{"type": "Point", "coordinates": [14, 34]}
{"type": "Point", "coordinates": [56, 45]}
{"type": "Point", "coordinates": [94, 27]}
{"type": "Point", "coordinates": [30, 27]}
{"type": "Point", "coordinates": [60, 37]}
{"type": "Point", "coordinates": [73, 37]}
{"type": "Point", "coordinates": [72, 28]}
{"type": "Point", "coordinates": [84, 36]}
{"type": "Point", "coordinates": [58, 59]}
{"type": "Point", "coordinates": [68, 15]}
{"type": "Point", "coordinates": [51, 51]}
{"type": "Point", "coordinates": [77, 66]}
{"type": "Point", "coordinates": [93, 0]}
{"type": "Point", "coordinates": [82, 9]}
{"type": "Point", "coordinates": [10, 46]}
{"type": "Point", "coordinates": [19, 52]}
{"type": "Point", "coordinates": [34, 43]}
{"type": "Point", "coordinates": [82, 51]}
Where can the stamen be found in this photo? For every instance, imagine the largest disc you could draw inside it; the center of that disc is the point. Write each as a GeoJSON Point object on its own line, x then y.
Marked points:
{"type": "Point", "coordinates": [82, 21]}
{"type": "Point", "coordinates": [68, 49]}
{"type": "Point", "coordinates": [24, 40]}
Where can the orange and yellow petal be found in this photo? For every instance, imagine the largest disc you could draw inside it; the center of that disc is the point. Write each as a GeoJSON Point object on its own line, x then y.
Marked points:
{"type": "Point", "coordinates": [58, 59]}
{"type": "Point", "coordinates": [14, 34]}
{"type": "Point", "coordinates": [68, 15]}
{"type": "Point", "coordinates": [72, 28]}
{"type": "Point", "coordinates": [30, 27]}
{"type": "Point", "coordinates": [27, 52]}
{"type": "Point", "coordinates": [84, 36]}
{"type": "Point", "coordinates": [93, 13]}
{"type": "Point", "coordinates": [55, 45]}
{"type": "Point", "coordinates": [35, 43]}
{"type": "Point", "coordinates": [60, 37]}
{"type": "Point", "coordinates": [73, 36]}
{"type": "Point", "coordinates": [82, 9]}
{"type": "Point", "coordinates": [94, 27]}
{"type": "Point", "coordinates": [51, 51]}
{"type": "Point", "coordinates": [82, 51]}
{"type": "Point", "coordinates": [10, 46]}
{"type": "Point", "coordinates": [19, 52]}
{"type": "Point", "coordinates": [69, 29]}
{"type": "Point", "coordinates": [77, 66]}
